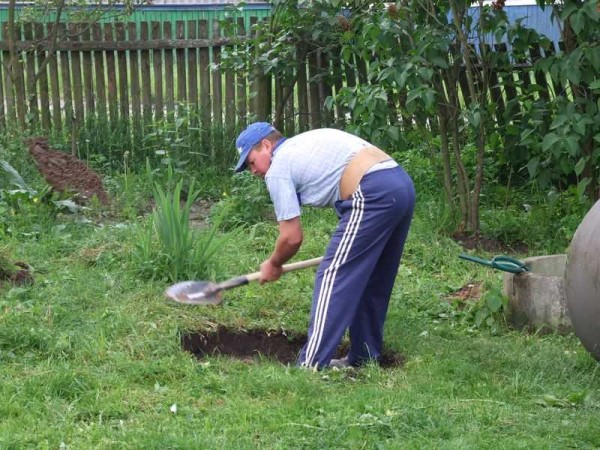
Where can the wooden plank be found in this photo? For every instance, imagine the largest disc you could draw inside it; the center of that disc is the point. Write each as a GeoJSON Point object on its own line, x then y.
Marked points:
{"type": "Point", "coordinates": [100, 82]}
{"type": "Point", "coordinates": [230, 88]}
{"type": "Point", "coordinates": [540, 78]}
{"type": "Point", "coordinates": [30, 69]}
{"type": "Point", "coordinates": [87, 46]}
{"type": "Point", "coordinates": [169, 75]}
{"type": "Point", "coordinates": [146, 77]}
{"type": "Point", "coordinates": [158, 74]}
{"type": "Point", "coordinates": [2, 107]}
{"type": "Point", "coordinates": [9, 95]}
{"type": "Point", "coordinates": [42, 74]}
{"type": "Point", "coordinates": [338, 83]}
{"type": "Point", "coordinates": [217, 79]}
{"type": "Point", "coordinates": [325, 86]}
{"type": "Point", "coordinates": [65, 75]}
{"type": "Point", "coordinates": [55, 92]}
{"type": "Point", "coordinates": [314, 102]}
{"type": "Point", "coordinates": [303, 112]}
{"type": "Point", "coordinates": [289, 113]}
{"type": "Point", "coordinates": [88, 77]}
{"type": "Point", "coordinates": [278, 121]}
{"type": "Point", "coordinates": [260, 88]}
{"type": "Point", "coordinates": [77, 86]}
{"type": "Point", "coordinates": [180, 58]}
{"type": "Point", "coordinates": [134, 74]}
{"type": "Point", "coordinates": [192, 65]}
{"type": "Point", "coordinates": [508, 82]}
{"type": "Point", "coordinates": [242, 96]}
{"type": "Point", "coordinates": [122, 64]}
{"type": "Point", "coordinates": [111, 75]}
{"type": "Point", "coordinates": [205, 96]}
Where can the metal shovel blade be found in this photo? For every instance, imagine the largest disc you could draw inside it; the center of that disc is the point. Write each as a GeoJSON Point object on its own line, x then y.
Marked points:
{"type": "Point", "coordinates": [194, 293]}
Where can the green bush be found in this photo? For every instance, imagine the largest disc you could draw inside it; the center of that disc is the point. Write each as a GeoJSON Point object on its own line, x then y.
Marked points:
{"type": "Point", "coordinates": [247, 204]}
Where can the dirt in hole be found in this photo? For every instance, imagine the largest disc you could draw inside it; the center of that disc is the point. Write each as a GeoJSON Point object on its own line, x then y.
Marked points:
{"type": "Point", "coordinates": [250, 345]}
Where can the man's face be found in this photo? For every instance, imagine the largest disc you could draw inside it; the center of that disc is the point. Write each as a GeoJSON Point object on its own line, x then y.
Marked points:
{"type": "Point", "coordinates": [259, 158]}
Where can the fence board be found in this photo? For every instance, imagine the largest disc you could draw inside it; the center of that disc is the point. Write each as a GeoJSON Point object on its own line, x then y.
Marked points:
{"type": "Point", "coordinates": [2, 108]}
{"type": "Point", "coordinates": [134, 74]}
{"type": "Point", "coordinates": [77, 86]}
{"type": "Point", "coordinates": [217, 79]}
{"type": "Point", "coordinates": [508, 82]}
{"type": "Point", "coordinates": [88, 78]}
{"type": "Point", "coordinates": [540, 78]}
{"type": "Point", "coordinates": [157, 64]}
{"type": "Point", "coordinates": [111, 74]}
{"type": "Point", "coordinates": [42, 77]}
{"type": "Point", "coordinates": [192, 65]}
{"type": "Point", "coordinates": [122, 63]}
{"type": "Point", "coordinates": [205, 97]}
{"type": "Point", "coordinates": [180, 57]}
{"type": "Point", "coordinates": [30, 70]}
{"type": "Point", "coordinates": [303, 113]}
{"type": "Point", "coordinates": [145, 77]}
{"type": "Point", "coordinates": [169, 75]}
{"type": "Point", "coordinates": [100, 83]}
{"type": "Point", "coordinates": [313, 91]}
{"type": "Point", "coordinates": [55, 91]}
{"type": "Point", "coordinates": [11, 115]}
{"type": "Point", "coordinates": [241, 82]}
{"type": "Point", "coordinates": [230, 88]}
{"type": "Point", "coordinates": [325, 86]}
{"type": "Point", "coordinates": [65, 74]}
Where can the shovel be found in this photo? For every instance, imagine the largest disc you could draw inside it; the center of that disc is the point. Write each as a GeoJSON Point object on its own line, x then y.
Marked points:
{"type": "Point", "coordinates": [207, 293]}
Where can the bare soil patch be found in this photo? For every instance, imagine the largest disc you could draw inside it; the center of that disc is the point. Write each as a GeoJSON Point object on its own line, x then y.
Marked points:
{"type": "Point", "coordinates": [250, 346]}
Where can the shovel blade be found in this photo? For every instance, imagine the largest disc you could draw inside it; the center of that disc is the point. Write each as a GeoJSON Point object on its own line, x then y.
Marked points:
{"type": "Point", "coordinates": [194, 293]}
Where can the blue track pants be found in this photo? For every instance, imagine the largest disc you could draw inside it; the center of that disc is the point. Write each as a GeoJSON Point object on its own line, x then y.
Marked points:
{"type": "Point", "coordinates": [354, 282]}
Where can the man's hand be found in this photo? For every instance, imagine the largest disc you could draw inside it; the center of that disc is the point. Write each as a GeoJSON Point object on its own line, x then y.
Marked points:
{"type": "Point", "coordinates": [269, 272]}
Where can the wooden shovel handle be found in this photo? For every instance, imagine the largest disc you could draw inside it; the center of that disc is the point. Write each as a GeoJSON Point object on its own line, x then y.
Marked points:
{"type": "Point", "coordinates": [289, 267]}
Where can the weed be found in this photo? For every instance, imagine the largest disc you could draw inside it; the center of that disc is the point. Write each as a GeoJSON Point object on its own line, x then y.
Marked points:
{"type": "Point", "coordinates": [168, 246]}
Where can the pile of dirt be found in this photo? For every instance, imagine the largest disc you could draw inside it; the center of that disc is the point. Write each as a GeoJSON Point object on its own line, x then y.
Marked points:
{"type": "Point", "coordinates": [17, 273]}
{"type": "Point", "coordinates": [250, 345]}
{"type": "Point", "coordinates": [65, 172]}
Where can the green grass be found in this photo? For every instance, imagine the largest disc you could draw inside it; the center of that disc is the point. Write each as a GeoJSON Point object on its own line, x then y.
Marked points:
{"type": "Point", "coordinates": [91, 358]}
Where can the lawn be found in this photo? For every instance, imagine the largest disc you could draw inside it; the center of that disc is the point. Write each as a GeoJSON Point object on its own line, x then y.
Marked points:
{"type": "Point", "coordinates": [92, 357]}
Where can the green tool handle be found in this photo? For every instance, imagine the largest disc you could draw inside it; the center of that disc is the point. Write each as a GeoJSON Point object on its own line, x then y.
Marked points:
{"type": "Point", "coordinates": [504, 263]}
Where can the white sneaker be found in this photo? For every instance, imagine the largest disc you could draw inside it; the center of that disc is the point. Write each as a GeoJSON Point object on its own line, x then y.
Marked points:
{"type": "Point", "coordinates": [342, 363]}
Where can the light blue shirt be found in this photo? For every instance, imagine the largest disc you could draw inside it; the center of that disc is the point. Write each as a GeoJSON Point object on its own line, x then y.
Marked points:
{"type": "Point", "coordinates": [306, 170]}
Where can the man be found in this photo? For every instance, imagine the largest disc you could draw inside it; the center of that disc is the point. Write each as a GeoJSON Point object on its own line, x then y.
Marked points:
{"type": "Point", "coordinates": [374, 200]}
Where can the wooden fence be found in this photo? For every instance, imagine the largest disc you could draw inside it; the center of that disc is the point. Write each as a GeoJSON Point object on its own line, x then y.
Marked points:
{"type": "Point", "coordinates": [150, 70]}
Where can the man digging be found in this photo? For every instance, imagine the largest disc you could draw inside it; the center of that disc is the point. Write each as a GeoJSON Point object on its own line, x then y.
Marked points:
{"type": "Point", "coordinates": [374, 199]}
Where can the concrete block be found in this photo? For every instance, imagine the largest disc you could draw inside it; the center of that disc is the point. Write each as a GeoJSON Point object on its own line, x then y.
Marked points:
{"type": "Point", "coordinates": [537, 298]}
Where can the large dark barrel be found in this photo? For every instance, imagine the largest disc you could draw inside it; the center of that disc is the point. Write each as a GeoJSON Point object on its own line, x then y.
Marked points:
{"type": "Point", "coordinates": [582, 281]}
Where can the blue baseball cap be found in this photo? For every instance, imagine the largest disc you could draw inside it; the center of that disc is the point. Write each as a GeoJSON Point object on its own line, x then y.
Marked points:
{"type": "Point", "coordinates": [248, 138]}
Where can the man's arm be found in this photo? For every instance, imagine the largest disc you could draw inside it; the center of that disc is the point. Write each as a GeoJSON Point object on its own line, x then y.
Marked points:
{"type": "Point", "coordinates": [287, 245]}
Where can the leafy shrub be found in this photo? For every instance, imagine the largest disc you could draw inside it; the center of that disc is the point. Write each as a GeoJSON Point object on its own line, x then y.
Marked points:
{"type": "Point", "coordinates": [247, 204]}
